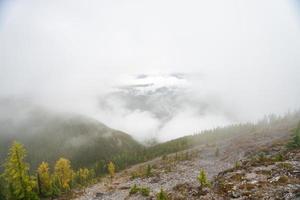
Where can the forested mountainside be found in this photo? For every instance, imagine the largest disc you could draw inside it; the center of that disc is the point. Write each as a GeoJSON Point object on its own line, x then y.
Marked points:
{"type": "Point", "coordinates": [271, 123]}
{"type": "Point", "coordinates": [48, 136]}
{"type": "Point", "coordinates": [258, 161]}
{"type": "Point", "coordinates": [95, 150]}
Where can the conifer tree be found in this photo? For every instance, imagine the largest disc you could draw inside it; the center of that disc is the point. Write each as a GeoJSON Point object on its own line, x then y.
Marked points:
{"type": "Point", "coordinates": [148, 172]}
{"type": "Point", "coordinates": [2, 188]}
{"type": "Point", "coordinates": [63, 173]}
{"type": "Point", "coordinates": [295, 142]}
{"type": "Point", "coordinates": [20, 184]}
{"type": "Point", "coordinates": [203, 179]}
{"type": "Point", "coordinates": [111, 169]}
{"type": "Point", "coordinates": [44, 179]}
{"type": "Point", "coordinates": [100, 168]}
{"type": "Point", "coordinates": [83, 175]}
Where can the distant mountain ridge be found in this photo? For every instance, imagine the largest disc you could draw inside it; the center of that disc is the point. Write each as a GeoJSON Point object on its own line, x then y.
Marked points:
{"type": "Point", "coordinates": [48, 136]}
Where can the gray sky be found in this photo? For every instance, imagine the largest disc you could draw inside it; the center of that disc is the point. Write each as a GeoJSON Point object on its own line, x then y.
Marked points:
{"type": "Point", "coordinates": [175, 67]}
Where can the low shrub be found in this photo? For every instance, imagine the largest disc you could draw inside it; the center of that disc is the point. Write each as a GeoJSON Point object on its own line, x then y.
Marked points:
{"type": "Point", "coordinates": [134, 189]}
{"type": "Point", "coordinates": [162, 195]}
{"type": "Point", "coordinates": [145, 191]}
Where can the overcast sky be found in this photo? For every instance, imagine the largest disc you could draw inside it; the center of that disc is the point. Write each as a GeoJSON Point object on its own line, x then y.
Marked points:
{"type": "Point", "coordinates": [175, 67]}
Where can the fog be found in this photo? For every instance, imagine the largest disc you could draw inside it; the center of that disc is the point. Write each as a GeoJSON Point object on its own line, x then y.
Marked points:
{"type": "Point", "coordinates": [159, 69]}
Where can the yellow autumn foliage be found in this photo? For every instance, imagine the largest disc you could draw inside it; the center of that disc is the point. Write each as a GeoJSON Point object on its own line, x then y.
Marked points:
{"type": "Point", "coordinates": [111, 169]}
{"type": "Point", "coordinates": [16, 174]}
{"type": "Point", "coordinates": [63, 173]}
{"type": "Point", "coordinates": [44, 178]}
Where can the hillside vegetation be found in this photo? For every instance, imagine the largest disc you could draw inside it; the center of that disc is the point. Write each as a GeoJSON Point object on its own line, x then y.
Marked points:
{"type": "Point", "coordinates": [268, 124]}
{"type": "Point", "coordinates": [192, 171]}
{"type": "Point", "coordinates": [86, 150]}
{"type": "Point", "coordinates": [48, 136]}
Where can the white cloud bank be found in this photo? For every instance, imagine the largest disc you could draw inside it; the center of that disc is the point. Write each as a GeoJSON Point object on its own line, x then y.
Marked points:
{"type": "Point", "coordinates": [242, 58]}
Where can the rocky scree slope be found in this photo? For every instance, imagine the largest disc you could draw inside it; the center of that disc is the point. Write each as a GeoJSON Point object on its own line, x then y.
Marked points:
{"type": "Point", "coordinates": [177, 173]}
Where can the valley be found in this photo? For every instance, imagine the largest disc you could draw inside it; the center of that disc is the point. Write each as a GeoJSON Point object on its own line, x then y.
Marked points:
{"type": "Point", "coordinates": [236, 161]}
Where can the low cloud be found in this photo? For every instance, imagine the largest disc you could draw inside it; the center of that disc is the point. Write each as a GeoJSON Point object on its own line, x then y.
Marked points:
{"type": "Point", "coordinates": [193, 65]}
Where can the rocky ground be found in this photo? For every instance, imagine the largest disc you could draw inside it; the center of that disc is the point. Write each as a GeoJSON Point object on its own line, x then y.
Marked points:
{"type": "Point", "coordinates": [231, 164]}
{"type": "Point", "coordinates": [269, 174]}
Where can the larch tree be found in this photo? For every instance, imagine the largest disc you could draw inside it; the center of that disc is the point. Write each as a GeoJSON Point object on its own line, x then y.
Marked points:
{"type": "Point", "coordinates": [63, 173]}
{"type": "Point", "coordinates": [111, 169]}
{"type": "Point", "coordinates": [20, 184]}
{"type": "Point", "coordinates": [83, 175]}
{"type": "Point", "coordinates": [44, 179]}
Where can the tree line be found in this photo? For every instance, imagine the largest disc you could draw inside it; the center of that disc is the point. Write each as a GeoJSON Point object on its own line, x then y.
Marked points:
{"type": "Point", "coordinates": [16, 182]}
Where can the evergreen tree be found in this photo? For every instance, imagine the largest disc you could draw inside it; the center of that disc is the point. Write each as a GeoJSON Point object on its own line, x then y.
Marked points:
{"type": "Point", "coordinates": [2, 188]}
{"type": "Point", "coordinates": [63, 173]}
{"type": "Point", "coordinates": [44, 179]}
{"type": "Point", "coordinates": [295, 143]}
{"type": "Point", "coordinates": [100, 168]}
{"type": "Point", "coordinates": [148, 171]}
{"type": "Point", "coordinates": [111, 169]}
{"type": "Point", "coordinates": [20, 184]}
{"type": "Point", "coordinates": [203, 179]}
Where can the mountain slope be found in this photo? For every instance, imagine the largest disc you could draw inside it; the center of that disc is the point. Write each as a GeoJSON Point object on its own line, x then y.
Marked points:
{"type": "Point", "coordinates": [214, 151]}
{"type": "Point", "coordinates": [48, 136]}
